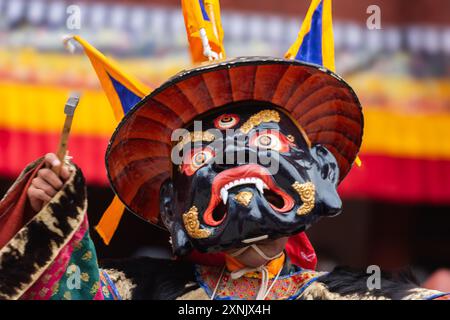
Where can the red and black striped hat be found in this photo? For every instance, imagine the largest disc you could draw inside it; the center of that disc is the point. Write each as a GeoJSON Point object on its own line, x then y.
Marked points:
{"type": "Point", "coordinates": [324, 106]}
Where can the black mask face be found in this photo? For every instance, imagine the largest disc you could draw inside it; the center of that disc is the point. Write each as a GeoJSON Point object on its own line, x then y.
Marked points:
{"type": "Point", "coordinates": [248, 174]}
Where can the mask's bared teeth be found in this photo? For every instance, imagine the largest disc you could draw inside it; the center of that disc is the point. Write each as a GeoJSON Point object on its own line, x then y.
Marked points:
{"type": "Point", "coordinates": [224, 195]}
{"type": "Point", "coordinates": [260, 185]}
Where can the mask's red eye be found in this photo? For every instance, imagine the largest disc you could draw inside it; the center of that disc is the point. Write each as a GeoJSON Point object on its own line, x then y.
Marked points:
{"type": "Point", "coordinates": [226, 121]}
{"type": "Point", "coordinates": [270, 139]}
{"type": "Point", "coordinates": [196, 159]}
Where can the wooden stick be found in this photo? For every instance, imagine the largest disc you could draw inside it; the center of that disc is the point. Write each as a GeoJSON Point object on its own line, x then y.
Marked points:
{"type": "Point", "coordinates": [69, 110]}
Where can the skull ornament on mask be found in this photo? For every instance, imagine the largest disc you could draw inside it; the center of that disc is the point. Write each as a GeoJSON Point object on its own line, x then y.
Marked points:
{"type": "Point", "coordinates": [264, 143]}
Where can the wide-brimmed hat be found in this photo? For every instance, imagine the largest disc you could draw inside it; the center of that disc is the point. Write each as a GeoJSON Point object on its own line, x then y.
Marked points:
{"type": "Point", "coordinates": [324, 106]}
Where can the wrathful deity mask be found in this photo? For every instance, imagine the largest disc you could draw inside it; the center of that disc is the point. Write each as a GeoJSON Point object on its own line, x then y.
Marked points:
{"type": "Point", "coordinates": [258, 178]}
{"type": "Point", "coordinates": [229, 154]}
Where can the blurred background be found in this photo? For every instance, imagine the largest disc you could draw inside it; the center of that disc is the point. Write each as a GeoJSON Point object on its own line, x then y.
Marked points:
{"type": "Point", "coordinates": [396, 205]}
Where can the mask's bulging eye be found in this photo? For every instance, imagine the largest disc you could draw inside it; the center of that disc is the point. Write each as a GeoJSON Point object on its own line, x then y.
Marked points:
{"type": "Point", "coordinates": [226, 121]}
{"type": "Point", "coordinates": [196, 159]}
{"type": "Point", "coordinates": [270, 139]}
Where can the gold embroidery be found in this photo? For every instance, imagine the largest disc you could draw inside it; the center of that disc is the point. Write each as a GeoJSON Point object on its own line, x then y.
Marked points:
{"type": "Point", "coordinates": [55, 288]}
{"type": "Point", "coordinates": [71, 269]}
{"type": "Point", "coordinates": [307, 192]}
{"type": "Point", "coordinates": [43, 292]}
{"type": "Point", "coordinates": [195, 137]}
{"type": "Point", "coordinates": [67, 295]}
{"type": "Point", "coordinates": [192, 225]}
{"type": "Point", "coordinates": [244, 198]}
{"type": "Point", "coordinates": [46, 278]}
{"type": "Point", "coordinates": [85, 277]}
{"type": "Point", "coordinates": [246, 287]}
{"type": "Point", "coordinates": [95, 287]}
{"type": "Point", "coordinates": [87, 256]}
{"type": "Point", "coordinates": [258, 118]}
{"type": "Point", "coordinates": [60, 271]}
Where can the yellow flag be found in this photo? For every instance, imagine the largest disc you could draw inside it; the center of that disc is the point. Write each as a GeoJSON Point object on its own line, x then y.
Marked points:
{"type": "Point", "coordinates": [203, 28]}
{"type": "Point", "coordinates": [123, 92]}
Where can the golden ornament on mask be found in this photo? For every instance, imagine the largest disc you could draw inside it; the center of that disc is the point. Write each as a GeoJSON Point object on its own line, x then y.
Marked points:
{"type": "Point", "coordinates": [244, 198]}
{"type": "Point", "coordinates": [258, 118]}
{"type": "Point", "coordinates": [192, 224]}
{"type": "Point", "coordinates": [307, 192]}
{"type": "Point", "coordinates": [195, 136]}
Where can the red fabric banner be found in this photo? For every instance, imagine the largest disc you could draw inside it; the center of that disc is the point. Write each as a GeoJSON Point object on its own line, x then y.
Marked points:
{"type": "Point", "coordinates": [386, 178]}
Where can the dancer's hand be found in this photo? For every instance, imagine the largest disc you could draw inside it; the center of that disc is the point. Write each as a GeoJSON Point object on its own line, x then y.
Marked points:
{"type": "Point", "coordinates": [47, 183]}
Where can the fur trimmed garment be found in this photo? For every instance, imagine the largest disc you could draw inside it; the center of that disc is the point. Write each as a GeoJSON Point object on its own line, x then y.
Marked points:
{"type": "Point", "coordinates": [50, 255]}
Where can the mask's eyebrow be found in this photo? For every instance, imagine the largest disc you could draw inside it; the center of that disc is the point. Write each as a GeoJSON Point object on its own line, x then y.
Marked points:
{"type": "Point", "coordinates": [268, 116]}
{"type": "Point", "coordinates": [193, 137]}
{"type": "Point", "coordinates": [258, 118]}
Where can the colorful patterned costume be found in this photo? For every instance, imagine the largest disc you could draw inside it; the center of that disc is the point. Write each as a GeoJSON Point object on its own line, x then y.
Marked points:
{"type": "Point", "coordinates": [43, 256]}
{"type": "Point", "coordinates": [302, 113]}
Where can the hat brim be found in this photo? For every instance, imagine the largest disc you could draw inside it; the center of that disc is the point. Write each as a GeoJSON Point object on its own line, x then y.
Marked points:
{"type": "Point", "coordinates": [324, 105]}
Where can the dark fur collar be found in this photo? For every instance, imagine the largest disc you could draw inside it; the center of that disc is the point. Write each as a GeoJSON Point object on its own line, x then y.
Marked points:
{"type": "Point", "coordinates": [36, 245]}
{"type": "Point", "coordinates": [347, 284]}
